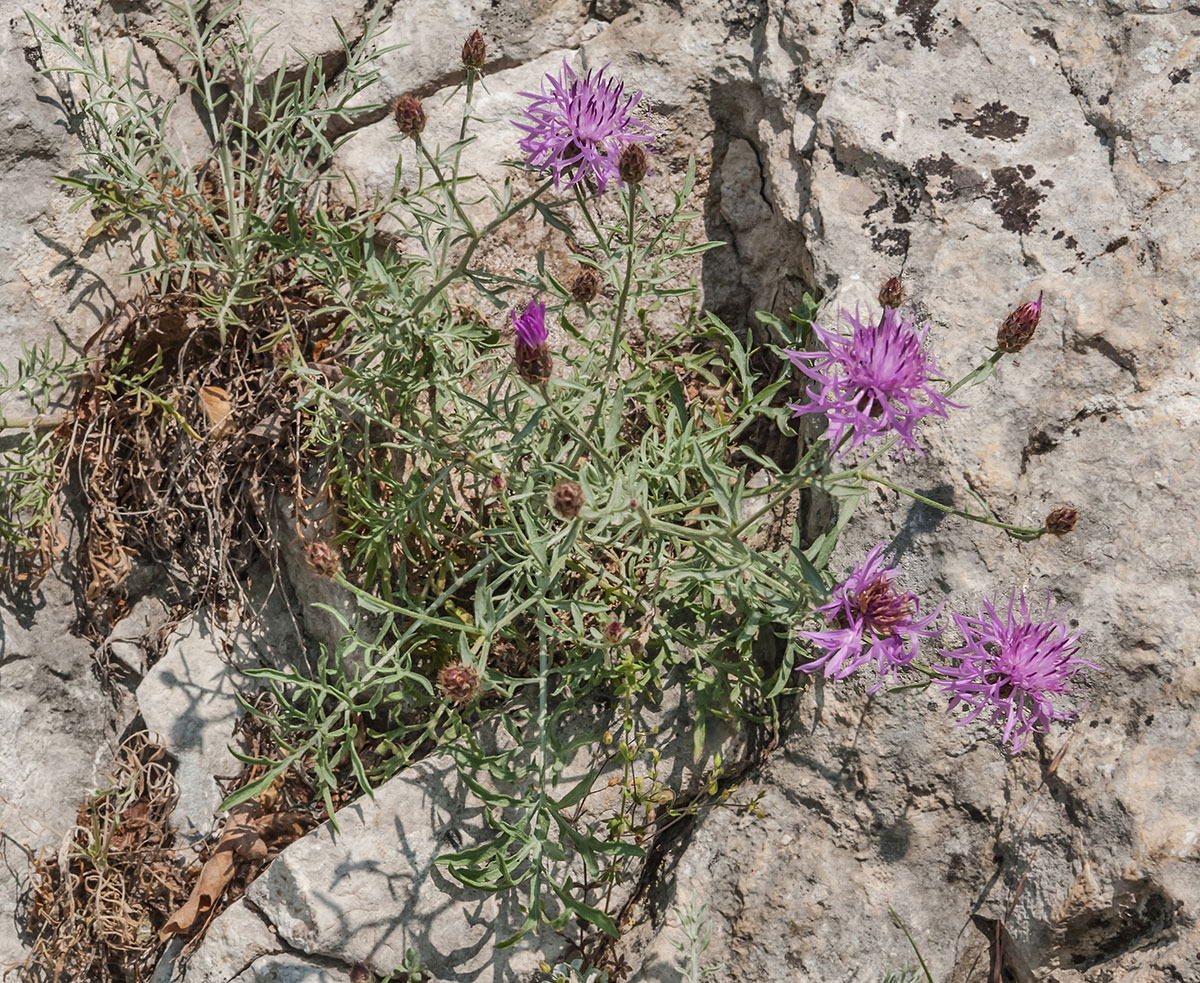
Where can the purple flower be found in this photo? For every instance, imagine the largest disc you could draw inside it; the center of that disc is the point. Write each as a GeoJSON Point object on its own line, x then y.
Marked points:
{"type": "Point", "coordinates": [872, 619]}
{"type": "Point", "coordinates": [874, 382]}
{"type": "Point", "coordinates": [581, 126]}
{"type": "Point", "coordinates": [1011, 667]}
{"type": "Point", "coordinates": [531, 325]}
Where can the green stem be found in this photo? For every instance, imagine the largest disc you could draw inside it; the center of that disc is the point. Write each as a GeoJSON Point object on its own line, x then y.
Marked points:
{"type": "Point", "coordinates": [30, 422]}
{"type": "Point", "coordinates": [584, 439]}
{"type": "Point", "coordinates": [615, 344]}
{"type": "Point", "coordinates": [587, 214]}
{"type": "Point", "coordinates": [482, 234]}
{"type": "Point", "coordinates": [1017, 532]}
{"type": "Point", "coordinates": [448, 188]}
{"type": "Point", "coordinates": [730, 538]}
{"type": "Point", "coordinates": [462, 130]}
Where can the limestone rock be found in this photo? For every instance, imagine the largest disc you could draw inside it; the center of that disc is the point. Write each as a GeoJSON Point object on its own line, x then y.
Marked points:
{"type": "Point", "coordinates": [234, 943]}
{"type": "Point", "coordinates": [189, 698]}
{"type": "Point", "coordinates": [55, 735]}
{"type": "Point", "coordinates": [986, 153]}
{"type": "Point", "coordinates": [428, 40]}
{"type": "Point", "coordinates": [371, 890]}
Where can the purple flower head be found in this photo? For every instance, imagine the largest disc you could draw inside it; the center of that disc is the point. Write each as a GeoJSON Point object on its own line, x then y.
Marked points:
{"type": "Point", "coordinates": [1011, 667]}
{"type": "Point", "coordinates": [877, 381]}
{"type": "Point", "coordinates": [871, 619]}
{"type": "Point", "coordinates": [581, 126]}
{"type": "Point", "coordinates": [531, 325]}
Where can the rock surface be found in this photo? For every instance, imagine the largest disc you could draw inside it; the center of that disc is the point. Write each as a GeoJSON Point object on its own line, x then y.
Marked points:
{"type": "Point", "coordinates": [56, 728]}
{"type": "Point", "coordinates": [371, 891]}
{"type": "Point", "coordinates": [189, 699]}
{"type": "Point", "coordinates": [986, 153]}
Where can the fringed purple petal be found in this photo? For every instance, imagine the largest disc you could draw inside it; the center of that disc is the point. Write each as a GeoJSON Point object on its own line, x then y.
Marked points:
{"type": "Point", "coordinates": [877, 381]}
{"type": "Point", "coordinates": [579, 127]}
{"type": "Point", "coordinates": [1012, 667]}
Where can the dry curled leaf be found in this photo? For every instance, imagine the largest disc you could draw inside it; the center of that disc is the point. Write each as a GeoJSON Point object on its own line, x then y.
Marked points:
{"type": "Point", "coordinates": [215, 402]}
{"type": "Point", "coordinates": [246, 838]}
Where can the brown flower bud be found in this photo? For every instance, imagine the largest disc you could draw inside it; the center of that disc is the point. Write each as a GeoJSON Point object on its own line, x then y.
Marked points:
{"type": "Point", "coordinates": [409, 115]}
{"type": "Point", "coordinates": [586, 285]}
{"type": "Point", "coordinates": [474, 52]}
{"type": "Point", "coordinates": [460, 684]}
{"type": "Point", "coordinates": [283, 351]}
{"type": "Point", "coordinates": [534, 362]}
{"type": "Point", "coordinates": [1062, 520]}
{"type": "Point", "coordinates": [1017, 330]}
{"type": "Point", "coordinates": [633, 164]}
{"type": "Point", "coordinates": [323, 558]}
{"type": "Point", "coordinates": [361, 973]}
{"type": "Point", "coordinates": [891, 294]}
{"type": "Point", "coordinates": [566, 499]}
{"type": "Point", "coordinates": [614, 630]}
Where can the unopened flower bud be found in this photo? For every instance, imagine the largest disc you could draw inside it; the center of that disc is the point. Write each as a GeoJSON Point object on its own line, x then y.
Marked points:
{"type": "Point", "coordinates": [361, 973]}
{"type": "Point", "coordinates": [1062, 520]}
{"type": "Point", "coordinates": [474, 52]}
{"type": "Point", "coordinates": [459, 683]}
{"type": "Point", "coordinates": [283, 351]}
{"type": "Point", "coordinates": [891, 294]}
{"type": "Point", "coordinates": [566, 499]}
{"type": "Point", "coordinates": [586, 285]}
{"type": "Point", "coordinates": [633, 164]}
{"type": "Point", "coordinates": [1017, 330]}
{"type": "Point", "coordinates": [410, 116]}
{"type": "Point", "coordinates": [323, 558]}
{"type": "Point", "coordinates": [614, 630]}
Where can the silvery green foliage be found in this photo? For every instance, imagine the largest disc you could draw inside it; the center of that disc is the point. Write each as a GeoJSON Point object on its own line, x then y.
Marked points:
{"type": "Point", "coordinates": [696, 936]}
{"type": "Point", "coordinates": [576, 971]}
{"type": "Point", "coordinates": [29, 449]}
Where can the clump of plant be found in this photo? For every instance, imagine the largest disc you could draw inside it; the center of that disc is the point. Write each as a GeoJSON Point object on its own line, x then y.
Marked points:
{"type": "Point", "coordinates": [182, 424]}
{"type": "Point", "coordinates": [551, 507]}
{"type": "Point", "coordinates": [96, 905]}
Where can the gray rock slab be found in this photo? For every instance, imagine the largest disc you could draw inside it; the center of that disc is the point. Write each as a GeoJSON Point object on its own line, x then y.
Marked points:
{"type": "Point", "coordinates": [371, 890]}
{"type": "Point", "coordinates": [292, 969]}
{"type": "Point", "coordinates": [234, 942]}
{"type": "Point", "coordinates": [189, 697]}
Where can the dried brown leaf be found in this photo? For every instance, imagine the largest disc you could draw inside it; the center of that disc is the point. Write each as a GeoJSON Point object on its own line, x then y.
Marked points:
{"type": "Point", "coordinates": [215, 402]}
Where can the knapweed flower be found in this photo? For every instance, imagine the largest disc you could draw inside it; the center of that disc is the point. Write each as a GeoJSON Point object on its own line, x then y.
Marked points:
{"type": "Point", "coordinates": [875, 382]}
{"type": "Point", "coordinates": [531, 352]}
{"type": "Point", "coordinates": [323, 558]}
{"type": "Point", "coordinates": [567, 500]}
{"type": "Point", "coordinates": [580, 126]}
{"type": "Point", "coordinates": [871, 619]}
{"type": "Point", "coordinates": [409, 115]}
{"type": "Point", "coordinates": [1017, 330]}
{"type": "Point", "coordinates": [585, 287]}
{"type": "Point", "coordinates": [891, 294]}
{"type": "Point", "coordinates": [1062, 520]}
{"type": "Point", "coordinates": [460, 684]}
{"type": "Point", "coordinates": [474, 51]}
{"type": "Point", "coordinates": [1011, 668]}
{"type": "Point", "coordinates": [634, 164]}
